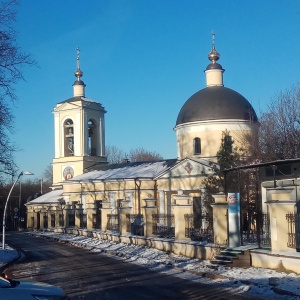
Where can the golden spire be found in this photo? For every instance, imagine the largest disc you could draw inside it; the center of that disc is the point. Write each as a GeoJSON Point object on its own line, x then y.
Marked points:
{"type": "Point", "coordinates": [78, 72]}
{"type": "Point", "coordinates": [213, 56]}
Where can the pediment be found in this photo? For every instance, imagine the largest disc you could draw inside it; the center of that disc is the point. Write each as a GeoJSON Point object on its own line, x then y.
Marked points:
{"type": "Point", "coordinates": [65, 106]}
{"type": "Point", "coordinates": [189, 168]}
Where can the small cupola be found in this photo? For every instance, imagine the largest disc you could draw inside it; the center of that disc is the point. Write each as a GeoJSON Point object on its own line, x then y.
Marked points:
{"type": "Point", "coordinates": [78, 86]}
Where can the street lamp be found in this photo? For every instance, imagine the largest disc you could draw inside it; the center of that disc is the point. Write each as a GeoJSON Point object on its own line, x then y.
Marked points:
{"type": "Point", "coordinates": [5, 207]}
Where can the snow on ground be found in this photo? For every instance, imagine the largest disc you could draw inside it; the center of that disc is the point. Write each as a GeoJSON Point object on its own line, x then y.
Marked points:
{"type": "Point", "coordinates": [257, 283]}
{"type": "Point", "coordinates": [6, 255]}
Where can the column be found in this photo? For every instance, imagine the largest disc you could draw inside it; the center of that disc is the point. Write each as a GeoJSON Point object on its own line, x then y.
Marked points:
{"type": "Point", "coordinates": [78, 214]}
{"type": "Point", "coordinates": [150, 209]}
{"type": "Point", "coordinates": [57, 213]}
{"type": "Point", "coordinates": [181, 207]}
{"type": "Point", "coordinates": [279, 206]}
{"type": "Point", "coordinates": [104, 212]}
{"type": "Point", "coordinates": [124, 210]}
{"type": "Point", "coordinates": [67, 211]}
{"type": "Point", "coordinates": [91, 209]}
{"type": "Point", "coordinates": [220, 219]}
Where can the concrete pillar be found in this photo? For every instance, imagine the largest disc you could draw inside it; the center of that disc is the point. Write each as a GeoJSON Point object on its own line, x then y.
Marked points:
{"type": "Point", "coordinates": [150, 209]}
{"type": "Point", "coordinates": [124, 210]}
{"type": "Point", "coordinates": [181, 207]}
{"type": "Point", "coordinates": [57, 212]}
{"type": "Point", "coordinates": [91, 209]}
{"type": "Point", "coordinates": [78, 214]}
{"type": "Point", "coordinates": [220, 219]}
{"type": "Point", "coordinates": [34, 223]}
{"type": "Point", "coordinates": [162, 202]}
{"type": "Point", "coordinates": [51, 211]}
{"type": "Point", "coordinates": [43, 216]}
{"type": "Point", "coordinates": [279, 206]}
{"type": "Point", "coordinates": [67, 211]}
{"type": "Point", "coordinates": [29, 216]}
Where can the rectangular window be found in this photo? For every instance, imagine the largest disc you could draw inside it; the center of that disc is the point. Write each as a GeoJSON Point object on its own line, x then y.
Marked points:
{"type": "Point", "coordinates": [83, 221]}
{"type": "Point", "coordinates": [52, 220]}
{"type": "Point", "coordinates": [61, 220]}
{"type": "Point", "coordinates": [71, 220]}
{"type": "Point", "coordinates": [45, 221]}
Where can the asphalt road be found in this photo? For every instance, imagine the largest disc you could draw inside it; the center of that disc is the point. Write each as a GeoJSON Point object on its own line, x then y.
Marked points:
{"type": "Point", "coordinates": [87, 275]}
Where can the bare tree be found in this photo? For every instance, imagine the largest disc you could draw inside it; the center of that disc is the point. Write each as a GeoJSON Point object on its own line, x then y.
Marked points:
{"type": "Point", "coordinates": [140, 154]}
{"type": "Point", "coordinates": [48, 175]}
{"type": "Point", "coordinates": [279, 135]}
{"type": "Point", "coordinates": [12, 60]}
{"type": "Point", "coordinates": [114, 154]}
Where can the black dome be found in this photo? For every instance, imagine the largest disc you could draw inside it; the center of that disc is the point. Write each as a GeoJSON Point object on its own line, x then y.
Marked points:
{"type": "Point", "coordinates": [215, 103]}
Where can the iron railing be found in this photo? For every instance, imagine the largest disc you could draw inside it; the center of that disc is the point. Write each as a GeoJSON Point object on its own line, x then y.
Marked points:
{"type": "Point", "coordinates": [256, 229]}
{"type": "Point", "coordinates": [293, 222]}
{"type": "Point", "coordinates": [163, 225]}
{"type": "Point", "coordinates": [204, 232]}
{"type": "Point", "coordinates": [113, 222]}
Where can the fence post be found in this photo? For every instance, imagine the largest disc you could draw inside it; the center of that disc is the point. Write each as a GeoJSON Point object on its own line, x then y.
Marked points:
{"type": "Point", "coordinates": [150, 209]}
{"type": "Point", "coordinates": [124, 210]}
{"type": "Point", "coordinates": [91, 209]}
{"type": "Point", "coordinates": [280, 204]}
{"type": "Point", "coordinates": [67, 210]}
{"type": "Point", "coordinates": [78, 215]}
{"type": "Point", "coordinates": [220, 222]}
{"type": "Point", "coordinates": [181, 207]}
{"type": "Point", "coordinates": [104, 212]}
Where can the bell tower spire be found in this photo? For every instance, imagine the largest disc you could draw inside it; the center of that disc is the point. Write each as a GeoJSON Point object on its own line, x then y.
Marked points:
{"type": "Point", "coordinates": [79, 132]}
{"type": "Point", "coordinates": [214, 71]}
{"type": "Point", "coordinates": [78, 86]}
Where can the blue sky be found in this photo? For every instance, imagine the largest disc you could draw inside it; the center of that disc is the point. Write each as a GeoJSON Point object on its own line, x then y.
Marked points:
{"type": "Point", "coordinates": [142, 60]}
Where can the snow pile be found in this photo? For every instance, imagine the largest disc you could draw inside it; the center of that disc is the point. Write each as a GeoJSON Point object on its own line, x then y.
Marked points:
{"type": "Point", "coordinates": [8, 254]}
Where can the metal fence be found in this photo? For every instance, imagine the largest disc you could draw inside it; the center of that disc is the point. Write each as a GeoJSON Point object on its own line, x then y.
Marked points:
{"type": "Point", "coordinates": [204, 233]}
{"type": "Point", "coordinates": [135, 224]}
{"type": "Point", "coordinates": [256, 229]}
{"type": "Point", "coordinates": [163, 225]}
{"type": "Point", "coordinates": [293, 221]}
{"type": "Point", "coordinates": [113, 222]}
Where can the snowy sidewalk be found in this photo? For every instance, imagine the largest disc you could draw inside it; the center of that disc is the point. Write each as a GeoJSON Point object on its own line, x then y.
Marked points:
{"type": "Point", "coordinates": [7, 255]}
{"type": "Point", "coordinates": [254, 282]}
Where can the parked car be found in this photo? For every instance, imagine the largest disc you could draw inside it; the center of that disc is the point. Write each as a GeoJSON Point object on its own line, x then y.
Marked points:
{"type": "Point", "coordinates": [12, 289]}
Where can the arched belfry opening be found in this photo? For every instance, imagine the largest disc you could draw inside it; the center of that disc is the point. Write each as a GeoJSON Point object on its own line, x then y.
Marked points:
{"type": "Point", "coordinates": [68, 138]}
{"type": "Point", "coordinates": [92, 138]}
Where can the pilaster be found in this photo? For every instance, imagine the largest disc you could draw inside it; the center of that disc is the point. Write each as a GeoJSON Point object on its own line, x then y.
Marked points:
{"type": "Point", "coordinates": [150, 209]}
{"type": "Point", "coordinates": [220, 224]}
{"type": "Point", "coordinates": [279, 206]}
{"type": "Point", "coordinates": [181, 207]}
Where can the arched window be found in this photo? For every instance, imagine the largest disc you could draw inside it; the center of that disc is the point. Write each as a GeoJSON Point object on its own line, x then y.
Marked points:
{"type": "Point", "coordinates": [69, 137]}
{"type": "Point", "coordinates": [92, 146]}
{"type": "Point", "coordinates": [197, 145]}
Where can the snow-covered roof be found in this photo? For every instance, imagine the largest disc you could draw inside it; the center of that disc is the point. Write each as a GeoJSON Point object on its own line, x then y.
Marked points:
{"type": "Point", "coordinates": [51, 197]}
{"type": "Point", "coordinates": [127, 171]}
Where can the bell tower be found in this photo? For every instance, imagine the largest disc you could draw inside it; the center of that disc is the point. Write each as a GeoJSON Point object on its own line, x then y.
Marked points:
{"type": "Point", "coordinates": [79, 132]}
